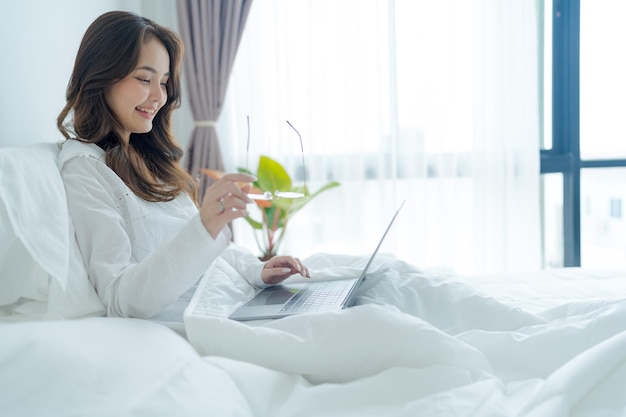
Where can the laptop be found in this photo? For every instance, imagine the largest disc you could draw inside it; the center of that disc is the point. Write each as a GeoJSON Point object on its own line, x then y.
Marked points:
{"type": "Point", "coordinates": [288, 299]}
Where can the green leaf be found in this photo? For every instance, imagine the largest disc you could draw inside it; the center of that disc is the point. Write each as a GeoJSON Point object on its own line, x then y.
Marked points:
{"type": "Point", "coordinates": [254, 223]}
{"type": "Point", "coordinates": [272, 176]}
{"type": "Point", "coordinates": [301, 202]}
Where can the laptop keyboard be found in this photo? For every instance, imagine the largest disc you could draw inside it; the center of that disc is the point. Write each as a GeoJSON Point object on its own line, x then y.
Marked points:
{"type": "Point", "coordinates": [311, 299]}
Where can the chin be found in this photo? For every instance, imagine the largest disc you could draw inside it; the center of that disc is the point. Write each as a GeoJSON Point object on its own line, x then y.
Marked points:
{"type": "Point", "coordinates": [144, 129]}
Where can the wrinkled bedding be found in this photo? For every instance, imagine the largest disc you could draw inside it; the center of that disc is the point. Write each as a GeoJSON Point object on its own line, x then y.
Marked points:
{"type": "Point", "coordinates": [418, 342]}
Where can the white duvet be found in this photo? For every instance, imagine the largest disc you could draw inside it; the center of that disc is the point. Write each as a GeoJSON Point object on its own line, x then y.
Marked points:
{"type": "Point", "coordinates": [417, 344]}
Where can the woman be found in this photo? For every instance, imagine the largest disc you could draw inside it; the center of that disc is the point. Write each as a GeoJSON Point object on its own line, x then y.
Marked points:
{"type": "Point", "coordinates": [144, 241]}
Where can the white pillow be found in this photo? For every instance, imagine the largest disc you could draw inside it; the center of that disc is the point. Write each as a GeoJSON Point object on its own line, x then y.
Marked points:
{"type": "Point", "coordinates": [41, 273]}
{"type": "Point", "coordinates": [104, 366]}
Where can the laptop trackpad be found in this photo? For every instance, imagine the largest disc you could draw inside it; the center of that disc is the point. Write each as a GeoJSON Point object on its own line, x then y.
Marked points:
{"type": "Point", "coordinates": [272, 296]}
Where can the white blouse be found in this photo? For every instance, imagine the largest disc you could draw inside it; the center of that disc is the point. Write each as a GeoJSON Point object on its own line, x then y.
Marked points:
{"type": "Point", "coordinates": [143, 258]}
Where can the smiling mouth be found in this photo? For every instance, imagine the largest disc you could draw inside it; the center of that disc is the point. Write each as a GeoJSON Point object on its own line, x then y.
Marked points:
{"type": "Point", "coordinates": [146, 112]}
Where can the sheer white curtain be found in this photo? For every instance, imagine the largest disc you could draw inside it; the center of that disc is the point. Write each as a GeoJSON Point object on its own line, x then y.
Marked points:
{"type": "Point", "coordinates": [435, 102]}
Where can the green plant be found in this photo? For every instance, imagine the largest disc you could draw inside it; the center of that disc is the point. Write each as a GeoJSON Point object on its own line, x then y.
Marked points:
{"type": "Point", "coordinates": [276, 213]}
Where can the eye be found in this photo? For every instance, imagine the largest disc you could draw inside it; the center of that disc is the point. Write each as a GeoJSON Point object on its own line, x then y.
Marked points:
{"type": "Point", "coordinates": [143, 80]}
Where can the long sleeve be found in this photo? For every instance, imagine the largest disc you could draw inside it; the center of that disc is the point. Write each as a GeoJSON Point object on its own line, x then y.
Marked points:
{"type": "Point", "coordinates": [140, 256]}
{"type": "Point", "coordinates": [246, 264]}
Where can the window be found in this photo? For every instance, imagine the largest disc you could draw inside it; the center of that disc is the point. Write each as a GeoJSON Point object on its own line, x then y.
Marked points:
{"type": "Point", "coordinates": [583, 106]}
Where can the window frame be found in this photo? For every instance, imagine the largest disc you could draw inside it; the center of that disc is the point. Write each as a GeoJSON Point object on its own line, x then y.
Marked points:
{"type": "Point", "coordinates": [564, 156]}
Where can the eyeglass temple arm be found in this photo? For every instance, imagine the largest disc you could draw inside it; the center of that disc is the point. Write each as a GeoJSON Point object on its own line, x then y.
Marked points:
{"type": "Point", "coordinates": [302, 153]}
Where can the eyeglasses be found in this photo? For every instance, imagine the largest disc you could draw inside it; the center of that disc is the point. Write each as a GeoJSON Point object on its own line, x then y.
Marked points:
{"type": "Point", "coordinates": [268, 195]}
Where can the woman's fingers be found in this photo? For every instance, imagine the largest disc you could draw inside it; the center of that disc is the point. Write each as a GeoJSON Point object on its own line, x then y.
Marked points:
{"type": "Point", "coordinates": [224, 201]}
{"type": "Point", "coordinates": [281, 267]}
{"type": "Point", "coordinates": [232, 184]}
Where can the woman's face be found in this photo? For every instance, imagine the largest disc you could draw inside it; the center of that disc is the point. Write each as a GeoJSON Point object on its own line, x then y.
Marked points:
{"type": "Point", "coordinates": [136, 98]}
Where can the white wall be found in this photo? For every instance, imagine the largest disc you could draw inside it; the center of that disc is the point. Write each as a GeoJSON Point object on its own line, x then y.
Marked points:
{"type": "Point", "coordinates": [38, 41]}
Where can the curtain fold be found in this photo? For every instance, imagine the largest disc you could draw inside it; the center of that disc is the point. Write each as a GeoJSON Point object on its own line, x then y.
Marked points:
{"type": "Point", "coordinates": [211, 31]}
{"type": "Point", "coordinates": [435, 102]}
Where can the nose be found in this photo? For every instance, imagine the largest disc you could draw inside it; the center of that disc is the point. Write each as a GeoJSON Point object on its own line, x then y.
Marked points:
{"type": "Point", "coordinates": [158, 93]}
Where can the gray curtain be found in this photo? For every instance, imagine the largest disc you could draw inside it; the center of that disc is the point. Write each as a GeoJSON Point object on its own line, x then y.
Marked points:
{"type": "Point", "coordinates": [211, 31]}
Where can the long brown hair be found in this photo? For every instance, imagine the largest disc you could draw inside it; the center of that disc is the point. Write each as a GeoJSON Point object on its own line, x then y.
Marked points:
{"type": "Point", "coordinates": [109, 51]}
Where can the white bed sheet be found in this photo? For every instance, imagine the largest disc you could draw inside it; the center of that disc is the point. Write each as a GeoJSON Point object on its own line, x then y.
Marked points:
{"type": "Point", "coordinates": [418, 343]}
{"type": "Point", "coordinates": [545, 343]}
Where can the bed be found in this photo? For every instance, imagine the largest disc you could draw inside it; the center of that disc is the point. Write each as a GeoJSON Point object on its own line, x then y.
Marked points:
{"type": "Point", "coordinates": [417, 342]}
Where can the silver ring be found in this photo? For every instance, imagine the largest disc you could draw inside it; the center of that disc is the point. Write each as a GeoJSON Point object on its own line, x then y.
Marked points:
{"type": "Point", "coordinates": [221, 206]}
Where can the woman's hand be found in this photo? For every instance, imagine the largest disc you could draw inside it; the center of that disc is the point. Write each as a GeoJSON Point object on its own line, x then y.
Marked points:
{"type": "Point", "coordinates": [279, 268]}
{"type": "Point", "coordinates": [224, 201]}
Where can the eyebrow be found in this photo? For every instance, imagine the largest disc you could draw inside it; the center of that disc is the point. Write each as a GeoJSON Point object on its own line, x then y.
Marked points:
{"type": "Point", "coordinates": [149, 68]}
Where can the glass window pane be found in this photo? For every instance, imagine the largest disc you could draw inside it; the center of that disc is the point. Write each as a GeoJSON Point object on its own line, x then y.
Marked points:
{"type": "Point", "coordinates": [602, 81]}
{"type": "Point", "coordinates": [552, 220]}
{"type": "Point", "coordinates": [602, 217]}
